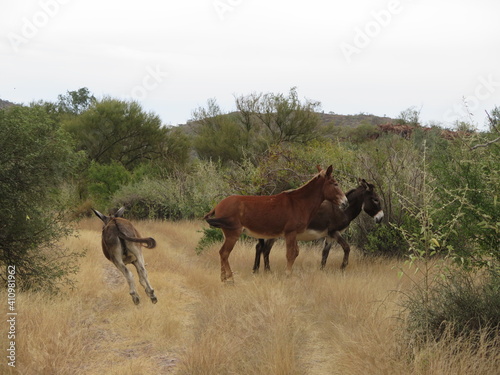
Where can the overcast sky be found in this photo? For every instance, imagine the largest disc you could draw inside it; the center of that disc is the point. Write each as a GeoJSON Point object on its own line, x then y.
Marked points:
{"type": "Point", "coordinates": [377, 57]}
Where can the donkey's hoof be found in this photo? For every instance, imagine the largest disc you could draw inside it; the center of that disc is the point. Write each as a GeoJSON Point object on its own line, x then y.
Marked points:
{"type": "Point", "coordinates": [136, 300]}
{"type": "Point", "coordinates": [227, 279]}
{"type": "Point", "coordinates": [154, 299]}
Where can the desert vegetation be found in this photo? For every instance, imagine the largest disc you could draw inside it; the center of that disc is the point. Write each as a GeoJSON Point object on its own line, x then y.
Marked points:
{"type": "Point", "coordinates": [420, 294]}
{"type": "Point", "coordinates": [315, 322]}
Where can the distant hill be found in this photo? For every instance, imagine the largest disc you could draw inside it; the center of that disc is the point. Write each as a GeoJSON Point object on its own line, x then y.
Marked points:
{"type": "Point", "coordinates": [352, 121]}
{"type": "Point", "coordinates": [327, 119]}
{"type": "Point", "coordinates": [5, 104]}
{"type": "Point", "coordinates": [382, 125]}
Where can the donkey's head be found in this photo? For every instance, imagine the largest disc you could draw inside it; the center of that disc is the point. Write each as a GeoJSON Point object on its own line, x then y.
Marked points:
{"type": "Point", "coordinates": [331, 188]}
{"type": "Point", "coordinates": [371, 201]}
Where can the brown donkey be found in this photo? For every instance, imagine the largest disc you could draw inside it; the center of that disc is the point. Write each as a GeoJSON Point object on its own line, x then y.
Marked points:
{"type": "Point", "coordinates": [329, 222]}
{"type": "Point", "coordinates": [283, 215]}
{"type": "Point", "coordinates": [121, 244]}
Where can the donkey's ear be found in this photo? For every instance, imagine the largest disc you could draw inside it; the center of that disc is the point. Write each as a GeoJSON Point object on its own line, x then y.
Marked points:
{"type": "Point", "coordinates": [363, 183]}
{"type": "Point", "coordinates": [329, 171]}
{"type": "Point", "coordinates": [104, 218]}
{"type": "Point", "coordinates": [318, 167]}
{"type": "Point", "coordinates": [120, 212]}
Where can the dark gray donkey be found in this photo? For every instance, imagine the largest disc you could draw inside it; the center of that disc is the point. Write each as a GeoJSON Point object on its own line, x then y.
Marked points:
{"type": "Point", "coordinates": [329, 222]}
{"type": "Point", "coordinates": [121, 244]}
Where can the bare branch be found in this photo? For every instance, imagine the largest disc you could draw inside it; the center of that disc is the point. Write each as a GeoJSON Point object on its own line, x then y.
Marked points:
{"type": "Point", "coordinates": [492, 122]}
{"type": "Point", "coordinates": [493, 126]}
{"type": "Point", "coordinates": [485, 144]}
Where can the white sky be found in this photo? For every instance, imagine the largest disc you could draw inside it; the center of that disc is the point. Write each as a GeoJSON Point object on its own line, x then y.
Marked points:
{"type": "Point", "coordinates": [377, 57]}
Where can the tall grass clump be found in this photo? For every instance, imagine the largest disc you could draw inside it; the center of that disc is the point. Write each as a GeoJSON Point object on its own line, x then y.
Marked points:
{"type": "Point", "coordinates": [458, 305]}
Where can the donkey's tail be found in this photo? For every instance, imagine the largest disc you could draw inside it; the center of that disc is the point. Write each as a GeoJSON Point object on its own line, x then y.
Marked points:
{"type": "Point", "coordinates": [211, 213]}
{"type": "Point", "coordinates": [222, 222]}
{"type": "Point", "coordinates": [219, 222]}
{"type": "Point", "coordinates": [149, 242]}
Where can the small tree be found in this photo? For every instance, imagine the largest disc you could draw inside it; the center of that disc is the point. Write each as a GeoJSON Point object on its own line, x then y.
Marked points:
{"type": "Point", "coordinates": [36, 156]}
{"type": "Point", "coordinates": [262, 121]}
{"type": "Point", "coordinates": [75, 102]}
{"type": "Point", "coordinates": [118, 130]}
{"type": "Point", "coordinates": [410, 116]}
{"type": "Point", "coordinates": [285, 118]}
{"type": "Point", "coordinates": [218, 135]}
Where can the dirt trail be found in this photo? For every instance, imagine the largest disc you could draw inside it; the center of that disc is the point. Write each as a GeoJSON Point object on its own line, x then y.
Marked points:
{"type": "Point", "coordinates": [121, 345]}
{"type": "Point", "coordinates": [116, 343]}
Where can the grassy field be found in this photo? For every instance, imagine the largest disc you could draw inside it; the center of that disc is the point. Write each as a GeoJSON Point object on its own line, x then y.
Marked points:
{"type": "Point", "coordinates": [314, 322]}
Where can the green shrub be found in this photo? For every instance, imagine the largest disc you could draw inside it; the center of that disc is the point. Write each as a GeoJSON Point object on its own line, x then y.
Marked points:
{"type": "Point", "coordinates": [462, 303]}
{"type": "Point", "coordinates": [215, 235]}
{"type": "Point", "coordinates": [385, 240]}
{"type": "Point", "coordinates": [104, 180]}
{"type": "Point", "coordinates": [474, 175]}
{"type": "Point", "coordinates": [210, 236]}
{"type": "Point", "coordinates": [36, 158]}
{"type": "Point", "coordinates": [185, 195]}
{"type": "Point", "coordinates": [362, 133]}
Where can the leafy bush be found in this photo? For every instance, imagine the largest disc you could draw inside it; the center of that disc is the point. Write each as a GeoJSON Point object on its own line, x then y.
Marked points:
{"type": "Point", "coordinates": [285, 167]}
{"type": "Point", "coordinates": [472, 174]}
{"type": "Point", "coordinates": [210, 236]}
{"type": "Point", "coordinates": [115, 130]}
{"type": "Point", "coordinates": [385, 240]}
{"type": "Point", "coordinates": [462, 303]}
{"type": "Point", "coordinates": [391, 164]}
{"type": "Point", "coordinates": [105, 180]}
{"type": "Point", "coordinates": [361, 133]}
{"type": "Point", "coordinates": [36, 157]}
{"type": "Point", "coordinates": [180, 196]}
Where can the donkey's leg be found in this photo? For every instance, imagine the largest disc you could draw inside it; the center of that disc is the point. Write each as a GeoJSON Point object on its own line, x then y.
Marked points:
{"type": "Point", "coordinates": [346, 247]}
{"type": "Point", "coordinates": [231, 237]}
{"type": "Point", "coordinates": [267, 250]}
{"type": "Point", "coordinates": [292, 251]}
{"type": "Point", "coordinates": [143, 277]}
{"type": "Point", "coordinates": [326, 250]}
{"type": "Point", "coordinates": [130, 279]}
{"type": "Point", "coordinates": [258, 252]}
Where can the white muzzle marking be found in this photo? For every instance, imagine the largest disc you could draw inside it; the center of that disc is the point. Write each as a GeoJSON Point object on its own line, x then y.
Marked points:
{"type": "Point", "coordinates": [379, 216]}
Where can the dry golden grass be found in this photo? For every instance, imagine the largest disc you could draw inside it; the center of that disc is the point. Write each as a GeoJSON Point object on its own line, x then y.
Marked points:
{"type": "Point", "coordinates": [313, 322]}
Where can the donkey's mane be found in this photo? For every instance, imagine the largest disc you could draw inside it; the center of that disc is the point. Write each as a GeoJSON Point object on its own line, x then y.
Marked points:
{"type": "Point", "coordinates": [350, 192]}
{"type": "Point", "coordinates": [306, 183]}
